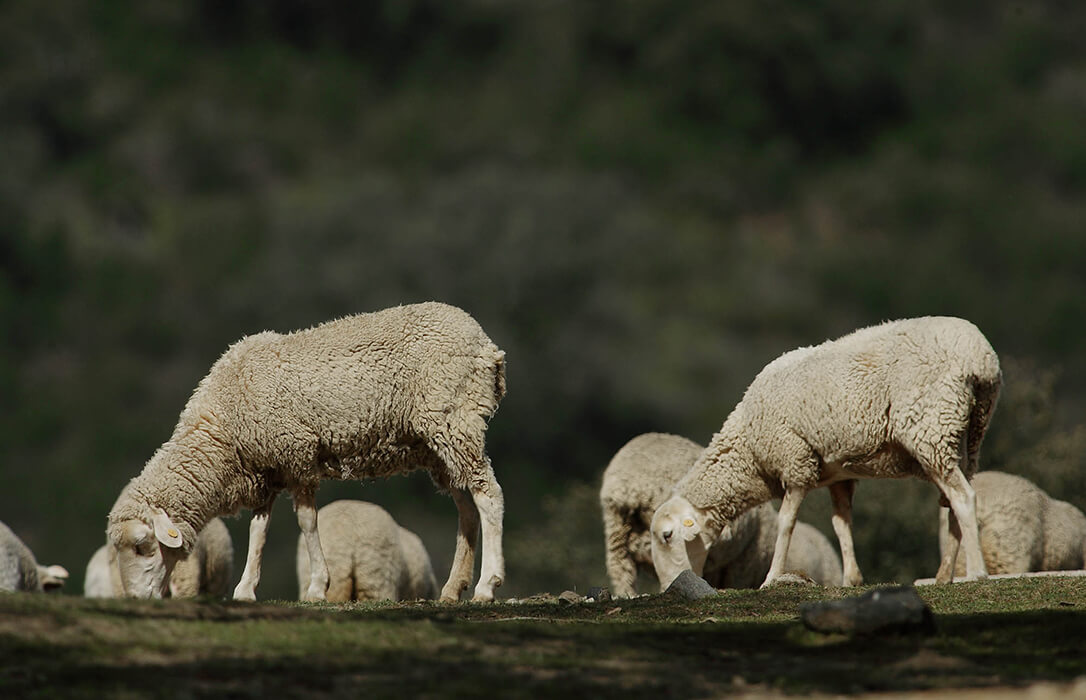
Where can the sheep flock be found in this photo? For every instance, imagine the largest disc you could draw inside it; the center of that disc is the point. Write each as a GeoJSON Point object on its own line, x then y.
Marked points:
{"type": "Point", "coordinates": [414, 387]}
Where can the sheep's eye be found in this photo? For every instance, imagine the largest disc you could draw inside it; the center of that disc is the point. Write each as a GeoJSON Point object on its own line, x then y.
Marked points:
{"type": "Point", "coordinates": [145, 548]}
{"type": "Point", "coordinates": [666, 534]}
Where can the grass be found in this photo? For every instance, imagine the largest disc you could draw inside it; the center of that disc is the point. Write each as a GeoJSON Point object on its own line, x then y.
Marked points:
{"type": "Point", "coordinates": [1006, 633]}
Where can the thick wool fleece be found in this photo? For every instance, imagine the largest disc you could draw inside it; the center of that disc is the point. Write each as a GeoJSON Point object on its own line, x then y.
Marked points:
{"type": "Point", "coordinates": [364, 396]}
{"type": "Point", "coordinates": [1022, 529]}
{"type": "Point", "coordinates": [361, 397]}
{"type": "Point", "coordinates": [369, 556]}
{"type": "Point", "coordinates": [641, 476]}
{"type": "Point", "coordinates": [905, 398]}
{"type": "Point", "coordinates": [207, 570]}
{"type": "Point", "coordinates": [18, 568]}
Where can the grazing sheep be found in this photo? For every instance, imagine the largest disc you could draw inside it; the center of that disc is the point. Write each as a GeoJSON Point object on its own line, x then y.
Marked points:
{"type": "Point", "coordinates": [369, 556]}
{"type": "Point", "coordinates": [905, 398]}
{"type": "Point", "coordinates": [1022, 529]}
{"type": "Point", "coordinates": [207, 569]}
{"type": "Point", "coordinates": [20, 571]}
{"type": "Point", "coordinates": [640, 477]}
{"type": "Point", "coordinates": [365, 396]}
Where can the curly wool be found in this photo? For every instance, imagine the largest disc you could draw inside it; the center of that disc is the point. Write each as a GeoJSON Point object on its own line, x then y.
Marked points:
{"type": "Point", "coordinates": [20, 571]}
{"type": "Point", "coordinates": [207, 570]}
{"type": "Point", "coordinates": [641, 476]}
{"type": "Point", "coordinates": [369, 556]}
{"type": "Point", "coordinates": [370, 395]}
{"type": "Point", "coordinates": [1022, 528]}
{"type": "Point", "coordinates": [904, 398]}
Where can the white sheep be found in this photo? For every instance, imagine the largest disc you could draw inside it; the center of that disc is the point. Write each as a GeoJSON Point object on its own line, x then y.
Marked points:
{"type": "Point", "coordinates": [369, 556]}
{"type": "Point", "coordinates": [20, 571]}
{"type": "Point", "coordinates": [207, 569]}
{"type": "Point", "coordinates": [640, 477]}
{"type": "Point", "coordinates": [1022, 529]}
{"type": "Point", "coordinates": [364, 396]}
{"type": "Point", "coordinates": [904, 398]}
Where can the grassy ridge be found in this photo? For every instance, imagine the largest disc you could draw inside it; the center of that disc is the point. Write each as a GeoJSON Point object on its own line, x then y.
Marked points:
{"type": "Point", "coordinates": [991, 634]}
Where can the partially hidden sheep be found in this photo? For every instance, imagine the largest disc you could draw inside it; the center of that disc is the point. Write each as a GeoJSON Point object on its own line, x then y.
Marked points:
{"type": "Point", "coordinates": [20, 571]}
{"type": "Point", "coordinates": [207, 570]}
{"type": "Point", "coordinates": [908, 398]}
{"type": "Point", "coordinates": [1022, 528]}
{"type": "Point", "coordinates": [370, 395]}
{"type": "Point", "coordinates": [369, 556]}
{"type": "Point", "coordinates": [640, 477]}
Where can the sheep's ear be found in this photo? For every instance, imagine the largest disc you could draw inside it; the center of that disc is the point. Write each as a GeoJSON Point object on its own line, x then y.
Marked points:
{"type": "Point", "coordinates": [689, 527]}
{"type": "Point", "coordinates": [166, 532]}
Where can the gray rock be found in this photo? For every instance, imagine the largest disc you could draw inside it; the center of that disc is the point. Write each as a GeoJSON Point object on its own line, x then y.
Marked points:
{"type": "Point", "coordinates": [690, 586]}
{"type": "Point", "coordinates": [883, 610]}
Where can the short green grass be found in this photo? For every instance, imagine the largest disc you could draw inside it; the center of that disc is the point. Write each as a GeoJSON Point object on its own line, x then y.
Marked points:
{"type": "Point", "coordinates": [990, 634]}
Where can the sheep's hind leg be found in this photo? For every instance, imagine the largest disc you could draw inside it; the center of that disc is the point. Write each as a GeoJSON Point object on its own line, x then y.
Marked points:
{"type": "Point", "coordinates": [945, 574]}
{"type": "Point", "coordinates": [786, 523]}
{"type": "Point", "coordinates": [841, 494]}
{"type": "Point", "coordinates": [467, 535]}
{"type": "Point", "coordinates": [490, 503]}
{"type": "Point", "coordinates": [258, 533]}
{"type": "Point", "coordinates": [306, 510]}
{"type": "Point", "coordinates": [963, 513]}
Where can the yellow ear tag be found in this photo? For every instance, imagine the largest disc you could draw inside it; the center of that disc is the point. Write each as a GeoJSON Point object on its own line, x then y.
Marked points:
{"type": "Point", "coordinates": [172, 533]}
{"type": "Point", "coordinates": [688, 523]}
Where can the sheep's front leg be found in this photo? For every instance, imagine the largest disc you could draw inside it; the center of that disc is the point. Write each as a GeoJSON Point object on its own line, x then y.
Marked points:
{"type": "Point", "coordinates": [841, 494]}
{"type": "Point", "coordinates": [306, 510]}
{"type": "Point", "coordinates": [490, 502]}
{"type": "Point", "coordinates": [786, 522]}
{"type": "Point", "coordinates": [258, 533]}
{"type": "Point", "coordinates": [467, 534]}
{"type": "Point", "coordinates": [621, 567]}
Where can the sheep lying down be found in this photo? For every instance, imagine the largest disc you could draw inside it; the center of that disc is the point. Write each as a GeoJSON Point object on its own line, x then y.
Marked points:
{"type": "Point", "coordinates": [369, 556]}
{"type": "Point", "coordinates": [370, 395]}
{"type": "Point", "coordinates": [207, 570]}
{"type": "Point", "coordinates": [1022, 529]}
{"type": "Point", "coordinates": [640, 477]}
{"type": "Point", "coordinates": [909, 398]}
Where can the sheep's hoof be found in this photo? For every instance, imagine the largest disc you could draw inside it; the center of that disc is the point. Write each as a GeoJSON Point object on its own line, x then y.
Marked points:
{"type": "Point", "coordinates": [245, 596]}
{"type": "Point", "coordinates": [451, 592]}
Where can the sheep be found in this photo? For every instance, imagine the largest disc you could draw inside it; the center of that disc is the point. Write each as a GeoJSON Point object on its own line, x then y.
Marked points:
{"type": "Point", "coordinates": [905, 398]}
{"type": "Point", "coordinates": [1022, 529]}
{"type": "Point", "coordinates": [205, 571]}
{"type": "Point", "coordinates": [369, 556]}
{"type": "Point", "coordinates": [20, 571]}
{"type": "Point", "coordinates": [639, 478]}
{"type": "Point", "coordinates": [365, 396]}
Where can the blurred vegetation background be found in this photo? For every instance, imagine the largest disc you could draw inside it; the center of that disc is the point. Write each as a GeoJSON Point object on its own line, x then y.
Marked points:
{"type": "Point", "coordinates": [642, 202]}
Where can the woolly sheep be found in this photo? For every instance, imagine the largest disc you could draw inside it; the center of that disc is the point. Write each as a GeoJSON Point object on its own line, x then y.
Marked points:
{"type": "Point", "coordinates": [369, 556]}
{"type": "Point", "coordinates": [364, 396]}
{"type": "Point", "coordinates": [20, 571]}
{"type": "Point", "coordinates": [640, 477]}
{"type": "Point", "coordinates": [1022, 529]}
{"type": "Point", "coordinates": [904, 398]}
{"type": "Point", "coordinates": [207, 570]}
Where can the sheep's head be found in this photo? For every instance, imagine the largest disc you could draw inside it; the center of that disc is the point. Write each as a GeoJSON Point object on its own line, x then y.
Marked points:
{"type": "Point", "coordinates": [146, 553]}
{"type": "Point", "coordinates": [677, 540]}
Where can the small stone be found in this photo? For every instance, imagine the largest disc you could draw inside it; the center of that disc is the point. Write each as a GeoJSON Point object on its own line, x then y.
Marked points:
{"type": "Point", "coordinates": [883, 610]}
{"type": "Point", "coordinates": [599, 594]}
{"type": "Point", "coordinates": [569, 598]}
{"type": "Point", "coordinates": [690, 586]}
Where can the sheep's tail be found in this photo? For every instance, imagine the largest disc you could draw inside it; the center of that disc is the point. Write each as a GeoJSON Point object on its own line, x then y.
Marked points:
{"type": "Point", "coordinates": [499, 375]}
{"type": "Point", "coordinates": [986, 384]}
